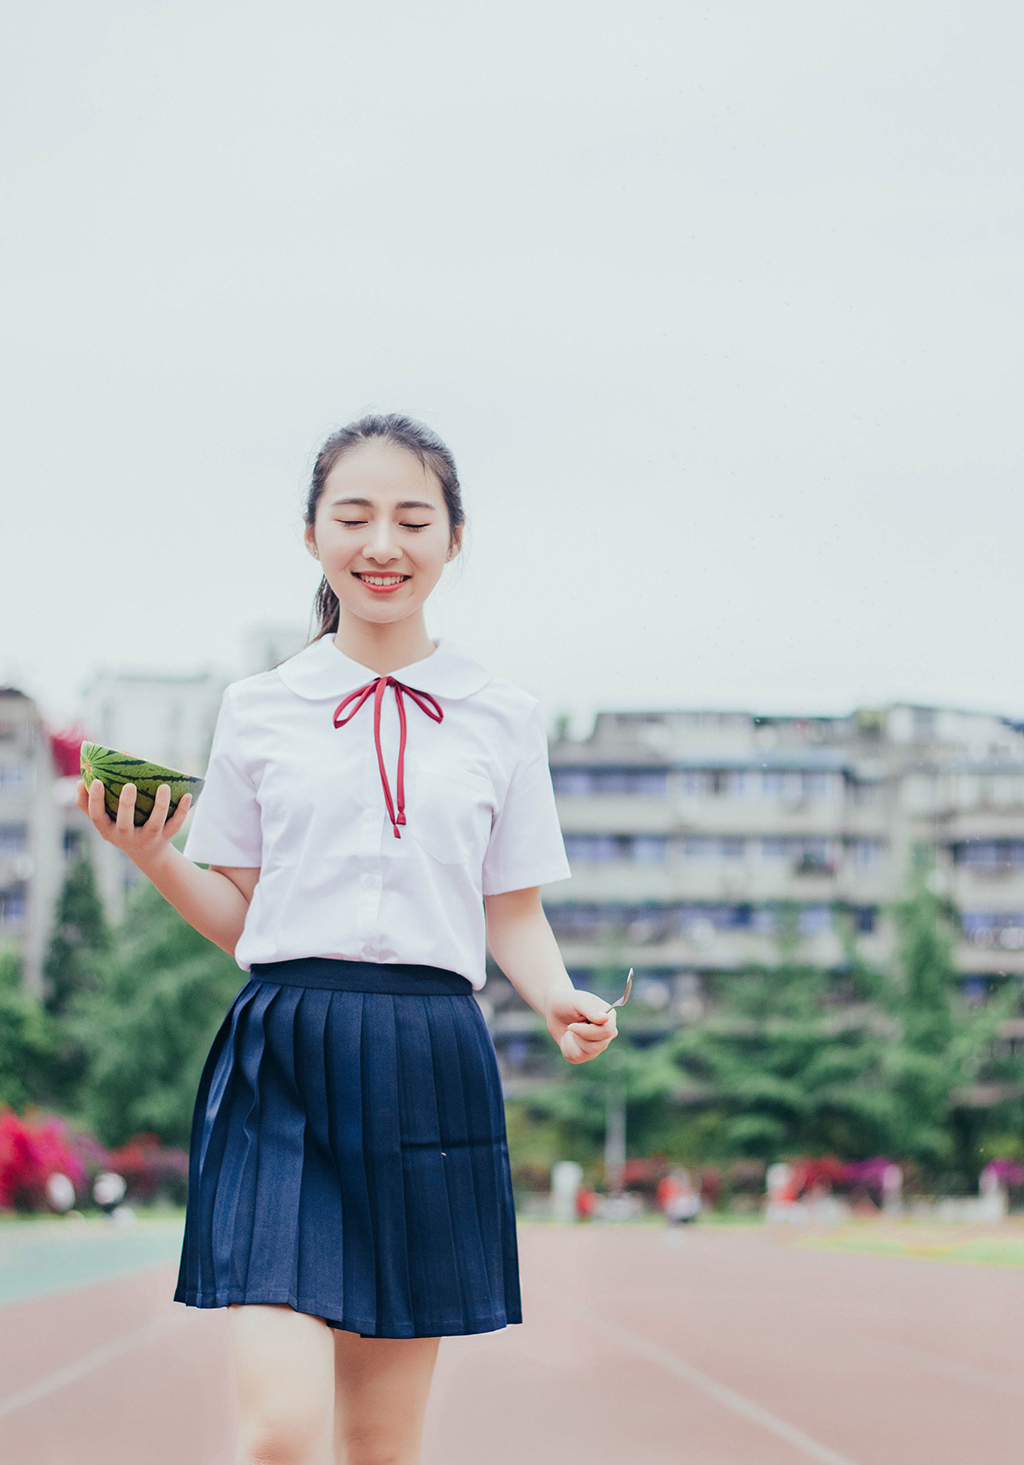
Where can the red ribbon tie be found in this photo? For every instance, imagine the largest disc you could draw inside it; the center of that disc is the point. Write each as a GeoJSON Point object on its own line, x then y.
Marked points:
{"type": "Point", "coordinates": [378, 687]}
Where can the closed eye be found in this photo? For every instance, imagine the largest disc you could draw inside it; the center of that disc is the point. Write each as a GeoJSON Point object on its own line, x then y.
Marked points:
{"type": "Point", "coordinates": [356, 523]}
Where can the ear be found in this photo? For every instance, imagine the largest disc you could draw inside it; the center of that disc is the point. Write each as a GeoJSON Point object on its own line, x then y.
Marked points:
{"type": "Point", "coordinates": [310, 541]}
{"type": "Point", "coordinates": [456, 544]}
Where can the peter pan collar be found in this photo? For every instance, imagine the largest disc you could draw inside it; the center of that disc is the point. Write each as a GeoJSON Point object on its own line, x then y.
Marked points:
{"type": "Point", "coordinates": [321, 670]}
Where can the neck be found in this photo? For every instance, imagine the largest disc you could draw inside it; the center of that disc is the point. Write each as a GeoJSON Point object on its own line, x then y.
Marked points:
{"type": "Point", "coordinates": [383, 648]}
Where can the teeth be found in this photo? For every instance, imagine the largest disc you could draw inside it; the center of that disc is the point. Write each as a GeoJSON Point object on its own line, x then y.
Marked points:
{"type": "Point", "coordinates": [383, 579]}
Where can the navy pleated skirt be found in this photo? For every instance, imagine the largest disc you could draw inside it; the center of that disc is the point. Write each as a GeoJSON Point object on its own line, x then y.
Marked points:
{"type": "Point", "coordinates": [348, 1154]}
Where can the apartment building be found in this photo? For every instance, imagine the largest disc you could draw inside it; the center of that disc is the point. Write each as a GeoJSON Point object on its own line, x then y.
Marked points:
{"type": "Point", "coordinates": [31, 833]}
{"type": "Point", "coordinates": [691, 833]}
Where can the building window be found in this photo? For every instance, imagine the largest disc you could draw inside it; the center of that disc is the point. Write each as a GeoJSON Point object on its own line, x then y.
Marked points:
{"type": "Point", "coordinates": [600, 849]}
{"type": "Point", "coordinates": [14, 778]}
{"type": "Point", "coordinates": [990, 854]}
{"type": "Point", "coordinates": [923, 723]}
{"type": "Point", "coordinates": [816, 786]}
{"type": "Point", "coordinates": [649, 781]}
{"type": "Point", "coordinates": [571, 780]}
{"type": "Point", "coordinates": [865, 854]}
{"type": "Point", "coordinates": [814, 920]}
{"type": "Point", "coordinates": [12, 907]}
{"type": "Point", "coordinates": [652, 782]}
{"type": "Point", "coordinates": [710, 847]}
{"type": "Point", "coordinates": [584, 922]}
{"type": "Point", "coordinates": [13, 838]}
{"type": "Point", "coordinates": [994, 928]}
{"type": "Point", "coordinates": [594, 849]}
{"type": "Point", "coordinates": [695, 783]}
{"type": "Point", "coordinates": [720, 917]}
{"type": "Point", "coordinates": [807, 854]}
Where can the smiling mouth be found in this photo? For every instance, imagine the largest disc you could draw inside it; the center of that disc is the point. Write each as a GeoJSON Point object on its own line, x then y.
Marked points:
{"type": "Point", "coordinates": [381, 582]}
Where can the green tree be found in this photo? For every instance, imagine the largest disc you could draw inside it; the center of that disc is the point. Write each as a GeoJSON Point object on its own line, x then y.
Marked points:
{"type": "Point", "coordinates": [938, 1069]}
{"type": "Point", "coordinates": [791, 1059]}
{"type": "Point", "coordinates": [566, 1117]}
{"type": "Point", "coordinates": [80, 941]}
{"type": "Point", "coordinates": [27, 1036]}
{"type": "Point", "coordinates": [74, 968]}
{"type": "Point", "coordinates": [148, 1029]}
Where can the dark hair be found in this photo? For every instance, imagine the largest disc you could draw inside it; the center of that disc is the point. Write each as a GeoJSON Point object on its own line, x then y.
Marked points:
{"type": "Point", "coordinates": [404, 432]}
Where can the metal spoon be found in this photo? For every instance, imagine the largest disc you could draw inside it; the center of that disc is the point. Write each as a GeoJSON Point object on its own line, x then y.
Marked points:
{"type": "Point", "coordinates": [625, 995]}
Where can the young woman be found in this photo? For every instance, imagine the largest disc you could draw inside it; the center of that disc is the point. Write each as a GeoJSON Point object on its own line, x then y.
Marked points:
{"type": "Point", "coordinates": [377, 808]}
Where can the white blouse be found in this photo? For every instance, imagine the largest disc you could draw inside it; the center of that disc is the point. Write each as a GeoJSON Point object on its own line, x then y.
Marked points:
{"type": "Point", "coordinates": [374, 845]}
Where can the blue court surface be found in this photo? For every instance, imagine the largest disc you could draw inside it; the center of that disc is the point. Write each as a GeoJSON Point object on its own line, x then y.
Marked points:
{"type": "Point", "coordinates": [40, 1257]}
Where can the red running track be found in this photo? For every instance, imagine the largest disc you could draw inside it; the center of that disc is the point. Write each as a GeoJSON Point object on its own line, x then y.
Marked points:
{"type": "Point", "coordinates": [703, 1347]}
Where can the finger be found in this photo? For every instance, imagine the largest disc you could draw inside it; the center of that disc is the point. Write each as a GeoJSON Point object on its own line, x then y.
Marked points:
{"type": "Point", "coordinates": [126, 808]}
{"type": "Point", "coordinates": [578, 1047]}
{"type": "Point", "coordinates": [591, 1050]}
{"type": "Point", "coordinates": [593, 1030]}
{"type": "Point", "coordinates": [177, 819]}
{"type": "Point", "coordinates": [97, 806]}
{"type": "Point", "coordinates": [161, 803]}
{"type": "Point", "coordinates": [570, 1046]}
{"type": "Point", "coordinates": [591, 1008]}
{"type": "Point", "coordinates": [581, 1052]}
{"type": "Point", "coordinates": [585, 1033]}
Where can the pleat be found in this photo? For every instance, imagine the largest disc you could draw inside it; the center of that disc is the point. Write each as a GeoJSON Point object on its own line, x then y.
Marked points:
{"type": "Point", "coordinates": [435, 1266]}
{"type": "Point", "coordinates": [321, 1230]}
{"type": "Point", "coordinates": [483, 1167]}
{"type": "Point", "coordinates": [209, 1139]}
{"type": "Point", "coordinates": [349, 1157]}
{"type": "Point", "coordinates": [279, 1126]}
{"type": "Point", "coordinates": [382, 1154]}
{"type": "Point", "coordinates": [355, 1259]}
{"type": "Point", "coordinates": [234, 1183]}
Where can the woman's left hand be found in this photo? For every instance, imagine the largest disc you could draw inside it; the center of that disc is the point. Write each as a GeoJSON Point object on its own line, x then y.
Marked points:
{"type": "Point", "coordinates": [582, 1025]}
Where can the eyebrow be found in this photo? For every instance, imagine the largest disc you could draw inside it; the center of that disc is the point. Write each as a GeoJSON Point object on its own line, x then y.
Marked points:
{"type": "Point", "coordinates": [367, 504]}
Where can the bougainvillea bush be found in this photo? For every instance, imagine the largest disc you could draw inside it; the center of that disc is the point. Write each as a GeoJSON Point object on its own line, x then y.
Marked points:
{"type": "Point", "coordinates": [32, 1148]}
{"type": "Point", "coordinates": [153, 1171]}
{"type": "Point", "coordinates": [36, 1145]}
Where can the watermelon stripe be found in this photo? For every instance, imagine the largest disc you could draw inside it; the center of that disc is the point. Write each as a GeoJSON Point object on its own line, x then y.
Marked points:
{"type": "Point", "coordinates": [114, 770]}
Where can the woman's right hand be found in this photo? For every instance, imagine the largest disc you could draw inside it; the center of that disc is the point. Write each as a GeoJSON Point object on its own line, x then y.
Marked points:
{"type": "Point", "coordinates": [141, 843]}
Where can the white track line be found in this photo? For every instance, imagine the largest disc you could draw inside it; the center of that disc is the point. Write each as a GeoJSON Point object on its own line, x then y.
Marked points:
{"type": "Point", "coordinates": [738, 1403]}
{"type": "Point", "coordinates": [98, 1358]}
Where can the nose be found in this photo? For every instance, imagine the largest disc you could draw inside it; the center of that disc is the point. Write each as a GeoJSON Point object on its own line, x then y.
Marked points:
{"type": "Point", "coordinates": [381, 543]}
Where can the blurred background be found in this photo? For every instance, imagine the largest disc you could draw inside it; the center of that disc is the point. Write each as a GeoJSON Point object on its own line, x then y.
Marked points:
{"type": "Point", "coordinates": [719, 309]}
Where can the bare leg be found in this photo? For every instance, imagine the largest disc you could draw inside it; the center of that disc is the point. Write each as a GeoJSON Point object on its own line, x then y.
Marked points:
{"type": "Point", "coordinates": [284, 1363]}
{"type": "Point", "coordinates": [381, 1387]}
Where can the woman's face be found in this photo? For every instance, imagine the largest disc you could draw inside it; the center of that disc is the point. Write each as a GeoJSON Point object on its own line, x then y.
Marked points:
{"type": "Point", "coordinates": [381, 533]}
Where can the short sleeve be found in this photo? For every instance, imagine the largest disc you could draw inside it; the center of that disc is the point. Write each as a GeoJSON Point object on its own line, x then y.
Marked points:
{"type": "Point", "coordinates": [225, 828]}
{"type": "Point", "coordinates": [526, 846]}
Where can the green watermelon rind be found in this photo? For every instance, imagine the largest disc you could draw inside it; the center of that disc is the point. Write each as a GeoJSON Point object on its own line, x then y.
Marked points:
{"type": "Point", "coordinates": [115, 769]}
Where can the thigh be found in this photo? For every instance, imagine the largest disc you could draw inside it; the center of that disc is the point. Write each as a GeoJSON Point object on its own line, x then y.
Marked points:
{"type": "Point", "coordinates": [284, 1365]}
{"type": "Point", "coordinates": [381, 1387]}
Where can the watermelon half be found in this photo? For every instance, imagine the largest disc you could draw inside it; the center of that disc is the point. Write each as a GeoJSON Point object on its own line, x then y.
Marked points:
{"type": "Point", "coordinates": [115, 769]}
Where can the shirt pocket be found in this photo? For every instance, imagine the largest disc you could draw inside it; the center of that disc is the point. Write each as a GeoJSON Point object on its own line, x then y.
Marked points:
{"type": "Point", "coordinates": [449, 813]}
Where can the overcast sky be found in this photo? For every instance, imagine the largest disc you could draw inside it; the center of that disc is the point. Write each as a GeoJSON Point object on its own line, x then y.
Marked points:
{"type": "Point", "coordinates": [719, 307]}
